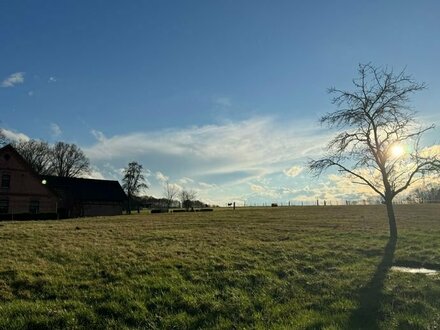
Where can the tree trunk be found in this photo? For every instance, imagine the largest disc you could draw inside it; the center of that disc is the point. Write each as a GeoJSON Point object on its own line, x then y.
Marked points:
{"type": "Point", "coordinates": [129, 204]}
{"type": "Point", "coordinates": [391, 218]}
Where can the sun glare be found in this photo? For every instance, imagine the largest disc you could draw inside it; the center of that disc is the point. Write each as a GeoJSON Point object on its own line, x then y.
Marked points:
{"type": "Point", "coordinates": [397, 150]}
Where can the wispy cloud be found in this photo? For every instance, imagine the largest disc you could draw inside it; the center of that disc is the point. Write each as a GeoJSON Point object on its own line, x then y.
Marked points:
{"type": "Point", "coordinates": [257, 188]}
{"type": "Point", "coordinates": [55, 130]}
{"type": "Point", "coordinates": [210, 158]}
{"type": "Point", "coordinates": [95, 173]}
{"type": "Point", "coordinates": [52, 79]}
{"type": "Point", "coordinates": [162, 178]}
{"type": "Point", "coordinates": [185, 181]}
{"type": "Point", "coordinates": [13, 80]}
{"type": "Point", "coordinates": [293, 171]}
{"type": "Point", "coordinates": [14, 136]}
{"type": "Point", "coordinates": [254, 145]}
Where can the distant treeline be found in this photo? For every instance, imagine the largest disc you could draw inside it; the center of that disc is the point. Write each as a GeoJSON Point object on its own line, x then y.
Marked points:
{"type": "Point", "coordinates": [428, 194]}
{"type": "Point", "coordinates": [151, 202]}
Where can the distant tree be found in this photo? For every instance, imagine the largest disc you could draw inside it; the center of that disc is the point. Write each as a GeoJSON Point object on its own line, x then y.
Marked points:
{"type": "Point", "coordinates": [133, 181]}
{"type": "Point", "coordinates": [170, 192]}
{"type": "Point", "coordinates": [68, 160]}
{"type": "Point", "coordinates": [38, 154]}
{"type": "Point", "coordinates": [377, 129]}
{"type": "Point", "coordinates": [3, 139]}
{"type": "Point", "coordinates": [428, 194]}
{"type": "Point", "coordinates": [187, 198]}
{"type": "Point", "coordinates": [199, 204]}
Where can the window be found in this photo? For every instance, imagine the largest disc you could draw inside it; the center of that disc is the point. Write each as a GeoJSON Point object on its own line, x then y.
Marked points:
{"type": "Point", "coordinates": [4, 206]}
{"type": "Point", "coordinates": [6, 180]}
{"type": "Point", "coordinates": [34, 207]}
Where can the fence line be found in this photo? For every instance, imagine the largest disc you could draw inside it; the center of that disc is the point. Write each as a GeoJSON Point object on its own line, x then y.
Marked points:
{"type": "Point", "coordinates": [326, 202]}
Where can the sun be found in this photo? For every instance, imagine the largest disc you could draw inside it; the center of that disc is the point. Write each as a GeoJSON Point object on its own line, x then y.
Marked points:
{"type": "Point", "coordinates": [397, 150]}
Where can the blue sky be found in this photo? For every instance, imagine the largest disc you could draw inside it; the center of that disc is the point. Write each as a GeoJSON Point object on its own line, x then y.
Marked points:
{"type": "Point", "coordinates": [219, 96]}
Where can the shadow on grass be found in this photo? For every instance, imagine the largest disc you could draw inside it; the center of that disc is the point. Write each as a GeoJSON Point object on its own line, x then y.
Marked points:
{"type": "Point", "coordinates": [368, 315]}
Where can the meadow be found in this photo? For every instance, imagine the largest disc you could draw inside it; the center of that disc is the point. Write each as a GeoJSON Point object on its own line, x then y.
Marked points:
{"type": "Point", "coordinates": [280, 268]}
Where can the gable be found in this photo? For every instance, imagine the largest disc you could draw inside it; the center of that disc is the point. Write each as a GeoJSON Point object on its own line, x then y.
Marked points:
{"type": "Point", "coordinates": [10, 160]}
{"type": "Point", "coordinates": [23, 180]}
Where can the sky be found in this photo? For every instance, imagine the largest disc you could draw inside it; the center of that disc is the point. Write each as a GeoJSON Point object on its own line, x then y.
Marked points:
{"type": "Point", "coordinates": [221, 97]}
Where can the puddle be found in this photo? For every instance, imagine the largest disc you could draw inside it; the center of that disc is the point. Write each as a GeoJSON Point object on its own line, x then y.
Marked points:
{"type": "Point", "coordinates": [415, 270]}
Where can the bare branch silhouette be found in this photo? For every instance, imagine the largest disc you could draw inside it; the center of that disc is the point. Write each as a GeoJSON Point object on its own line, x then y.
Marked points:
{"type": "Point", "coordinates": [374, 120]}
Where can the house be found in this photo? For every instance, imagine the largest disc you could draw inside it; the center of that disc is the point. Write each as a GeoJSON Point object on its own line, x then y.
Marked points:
{"type": "Point", "coordinates": [26, 195]}
{"type": "Point", "coordinates": [21, 191]}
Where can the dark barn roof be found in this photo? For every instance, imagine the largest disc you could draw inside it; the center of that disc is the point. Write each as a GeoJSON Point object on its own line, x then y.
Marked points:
{"type": "Point", "coordinates": [80, 189]}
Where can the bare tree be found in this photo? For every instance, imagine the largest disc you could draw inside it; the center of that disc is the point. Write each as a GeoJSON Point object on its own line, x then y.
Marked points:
{"type": "Point", "coordinates": [170, 192]}
{"type": "Point", "coordinates": [133, 181]}
{"type": "Point", "coordinates": [378, 143]}
{"type": "Point", "coordinates": [428, 194]}
{"type": "Point", "coordinates": [37, 153]}
{"type": "Point", "coordinates": [68, 160]}
{"type": "Point", "coordinates": [187, 198]}
{"type": "Point", "coordinates": [3, 139]}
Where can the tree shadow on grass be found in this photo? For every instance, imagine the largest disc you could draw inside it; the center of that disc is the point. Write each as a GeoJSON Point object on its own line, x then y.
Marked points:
{"type": "Point", "coordinates": [368, 314]}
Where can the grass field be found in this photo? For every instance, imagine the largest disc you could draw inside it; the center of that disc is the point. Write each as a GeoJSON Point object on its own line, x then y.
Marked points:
{"type": "Point", "coordinates": [283, 268]}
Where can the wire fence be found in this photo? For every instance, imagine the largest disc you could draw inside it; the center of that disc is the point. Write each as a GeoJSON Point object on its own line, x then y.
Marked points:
{"type": "Point", "coordinates": [327, 202]}
{"type": "Point", "coordinates": [34, 210]}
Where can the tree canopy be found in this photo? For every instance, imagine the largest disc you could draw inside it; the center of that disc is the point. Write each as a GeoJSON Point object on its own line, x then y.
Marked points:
{"type": "Point", "coordinates": [61, 159]}
{"type": "Point", "coordinates": [133, 181]}
{"type": "Point", "coordinates": [68, 160]}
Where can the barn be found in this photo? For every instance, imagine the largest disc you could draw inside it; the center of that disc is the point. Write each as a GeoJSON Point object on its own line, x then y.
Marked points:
{"type": "Point", "coordinates": [26, 195]}
{"type": "Point", "coordinates": [86, 197]}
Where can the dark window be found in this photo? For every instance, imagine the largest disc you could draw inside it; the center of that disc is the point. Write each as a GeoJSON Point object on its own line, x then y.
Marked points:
{"type": "Point", "coordinates": [4, 206]}
{"type": "Point", "coordinates": [6, 180]}
{"type": "Point", "coordinates": [34, 207]}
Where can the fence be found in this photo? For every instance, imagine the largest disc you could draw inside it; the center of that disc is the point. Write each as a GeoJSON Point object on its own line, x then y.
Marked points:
{"type": "Point", "coordinates": [327, 202]}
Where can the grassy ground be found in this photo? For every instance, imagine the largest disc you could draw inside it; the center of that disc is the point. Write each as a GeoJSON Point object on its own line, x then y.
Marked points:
{"type": "Point", "coordinates": [283, 268]}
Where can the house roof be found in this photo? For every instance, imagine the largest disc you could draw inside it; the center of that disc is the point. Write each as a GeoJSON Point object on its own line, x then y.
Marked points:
{"type": "Point", "coordinates": [81, 189]}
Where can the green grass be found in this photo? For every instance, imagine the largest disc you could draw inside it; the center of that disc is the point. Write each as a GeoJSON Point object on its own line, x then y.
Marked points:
{"type": "Point", "coordinates": [281, 268]}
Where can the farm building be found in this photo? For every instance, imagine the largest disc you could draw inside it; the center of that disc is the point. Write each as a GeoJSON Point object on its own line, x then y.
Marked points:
{"type": "Point", "coordinates": [25, 194]}
{"type": "Point", "coordinates": [86, 197]}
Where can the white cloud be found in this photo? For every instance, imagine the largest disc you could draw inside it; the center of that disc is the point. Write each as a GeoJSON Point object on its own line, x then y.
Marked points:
{"type": "Point", "coordinates": [95, 173]}
{"type": "Point", "coordinates": [55, 130]}
{"type": "Point", "coordinates": [14, 136]}
{"type": "Point", "coordinates": [13, 80]}
{"type": "Point", "coordinates": [31, 93]}
{"type": "Point", "coordinates": [293, 171]}
{"type": "Point", "coordinates": [219, 161]}
{"type": "Point", "coordinates": [263, 192]}
{"type": "Point", "coordinates": [52, 79]}
{"type": "Point", "coordinates": [185, 181]}
{"type": "Point", "coordinates": [205, 185]}
{"type": "Point", "coordinates": [431, 151]}
{"type": "Point", "coordinates": [98, 135]}
{"type": "Point", "coordinates": [161, 177]}
{"type": "Point", "coordinates": [255, 145]}
{"type": "Point", "coordinates": [257, 188]}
